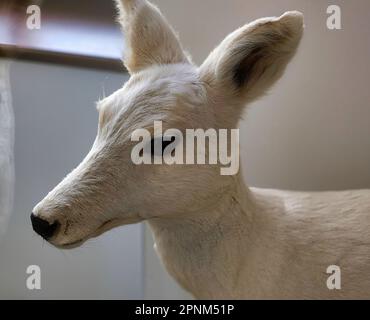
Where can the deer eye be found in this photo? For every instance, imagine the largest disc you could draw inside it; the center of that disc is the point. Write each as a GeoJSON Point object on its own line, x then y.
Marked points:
{"type": "Point", "coordinates": [158, 145]}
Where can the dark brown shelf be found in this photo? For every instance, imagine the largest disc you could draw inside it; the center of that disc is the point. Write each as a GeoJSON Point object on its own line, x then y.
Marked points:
{"type": "Point", "coordinates": [69, 35]}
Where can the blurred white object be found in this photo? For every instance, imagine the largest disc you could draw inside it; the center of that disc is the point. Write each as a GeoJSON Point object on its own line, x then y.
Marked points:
{"type": "Point", "coordinates": [6, 147]}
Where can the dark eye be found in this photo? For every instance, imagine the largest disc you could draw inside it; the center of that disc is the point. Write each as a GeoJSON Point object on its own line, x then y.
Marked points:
{"type": "Point", "coordinates": [158, 141]}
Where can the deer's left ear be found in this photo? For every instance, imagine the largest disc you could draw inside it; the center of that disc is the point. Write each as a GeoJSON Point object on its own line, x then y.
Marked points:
{"type": "Point", "coordinates": [150, 40]}
{"type": "Point", "coordinates": [253, 57]}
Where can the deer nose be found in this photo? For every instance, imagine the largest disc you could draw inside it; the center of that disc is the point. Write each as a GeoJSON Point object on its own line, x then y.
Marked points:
{"type": "Point", "coordinates": [43, 227]}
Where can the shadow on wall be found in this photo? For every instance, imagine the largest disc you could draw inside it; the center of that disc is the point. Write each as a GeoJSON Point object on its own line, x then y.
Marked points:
{"type": "Point", "coordinates": [6, 147]}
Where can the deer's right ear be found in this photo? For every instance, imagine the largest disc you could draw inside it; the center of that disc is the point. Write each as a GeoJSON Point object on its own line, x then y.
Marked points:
{"type": "Point", "coordinates": [150, 40]}
{"type": "Point", "coordinates": [253, 57]}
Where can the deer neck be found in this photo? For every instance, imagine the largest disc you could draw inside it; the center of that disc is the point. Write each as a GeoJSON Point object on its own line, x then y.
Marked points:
{"type": "Point", "coordinates": [205, 252]}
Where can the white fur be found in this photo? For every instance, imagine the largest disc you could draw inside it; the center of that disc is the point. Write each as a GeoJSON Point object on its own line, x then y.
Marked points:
{"type": "Point", "coordinates": [217, 237]}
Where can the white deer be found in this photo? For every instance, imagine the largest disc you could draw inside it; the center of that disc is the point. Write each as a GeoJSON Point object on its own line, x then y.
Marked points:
{"type": "Point", "coordinates": [217, 237]}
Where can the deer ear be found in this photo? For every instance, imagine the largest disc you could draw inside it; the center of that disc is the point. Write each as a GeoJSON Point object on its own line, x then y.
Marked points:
{"type": "Point", "coordinates": [253, 57]}
{"type": "Point", "coordinates": [150, 40]}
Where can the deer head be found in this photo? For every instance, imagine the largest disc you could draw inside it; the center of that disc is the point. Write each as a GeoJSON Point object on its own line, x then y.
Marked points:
{"type": "Point", "coordinates": [107, 189]}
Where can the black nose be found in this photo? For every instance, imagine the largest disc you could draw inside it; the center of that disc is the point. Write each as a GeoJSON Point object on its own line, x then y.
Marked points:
{"type": "Point", "coordinates": [42, 227]}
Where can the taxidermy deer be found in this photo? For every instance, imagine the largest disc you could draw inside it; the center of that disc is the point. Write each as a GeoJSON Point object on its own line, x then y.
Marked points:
{"type": "Point", "coordinates": [217, 237]}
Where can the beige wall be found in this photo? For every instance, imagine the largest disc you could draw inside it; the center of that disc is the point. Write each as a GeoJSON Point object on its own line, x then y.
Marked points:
{"type": "Point", "coordinates": [312, 132]}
